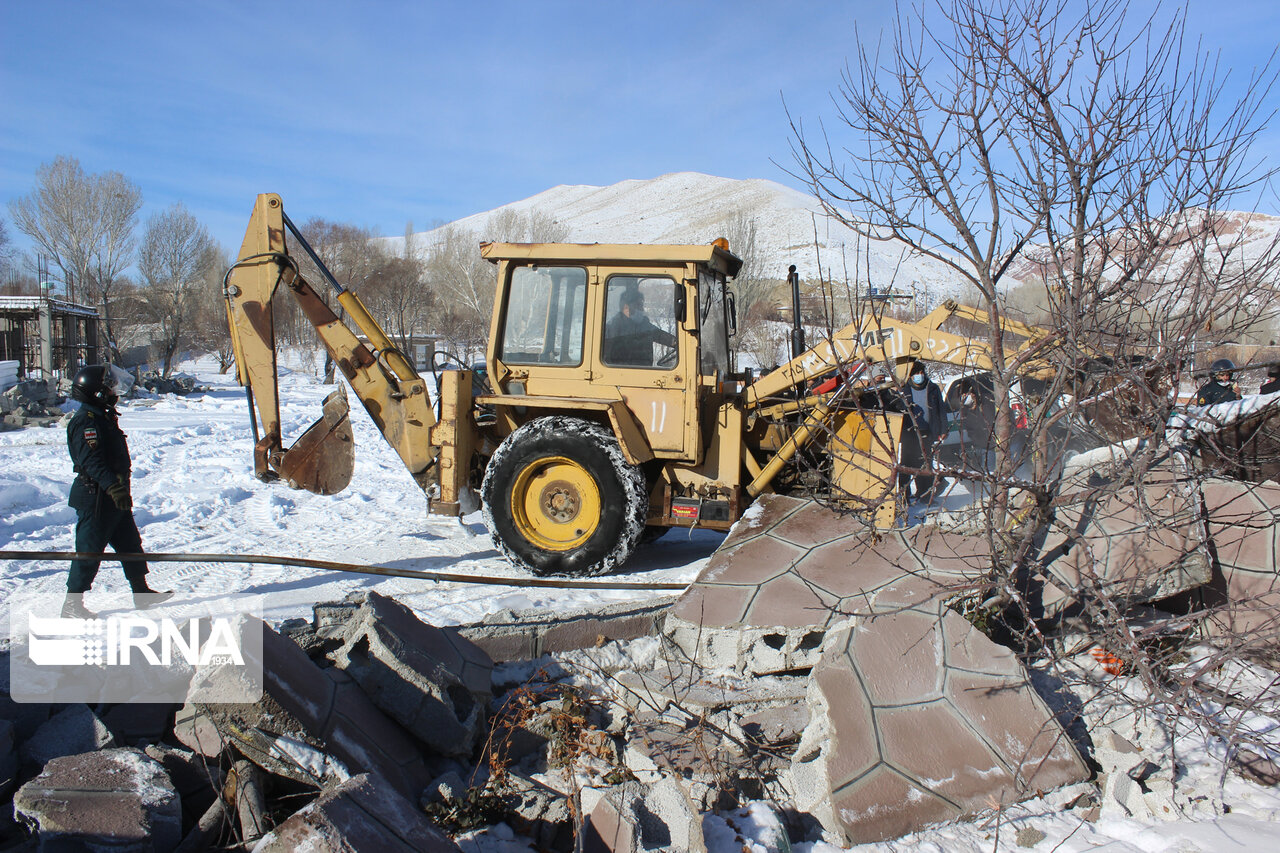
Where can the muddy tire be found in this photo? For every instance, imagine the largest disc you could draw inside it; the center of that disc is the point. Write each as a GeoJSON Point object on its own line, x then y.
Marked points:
{"type": "Point", "coordinates": [559, 498]}
{"type": "Point", "coordinates": [652, 534]}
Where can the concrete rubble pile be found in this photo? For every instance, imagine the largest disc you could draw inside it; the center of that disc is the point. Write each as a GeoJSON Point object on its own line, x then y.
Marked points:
{"type": "Point", "coordinates": [31, 402]}
{"type": "Point", "coordinates": [174, 383]}
{"type": "Point", "coordinates": [817, 670]}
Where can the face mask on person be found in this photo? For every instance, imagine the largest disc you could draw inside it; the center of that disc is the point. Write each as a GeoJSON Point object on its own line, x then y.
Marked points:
{"type": "Point", "coordinates": [1224, 378]}
{"type": "Point", "coordinates": [919, 380]}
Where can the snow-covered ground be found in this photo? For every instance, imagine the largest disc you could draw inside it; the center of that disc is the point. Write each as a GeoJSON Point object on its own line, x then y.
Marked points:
{"type": "Point", "coordinates": [194, 491]}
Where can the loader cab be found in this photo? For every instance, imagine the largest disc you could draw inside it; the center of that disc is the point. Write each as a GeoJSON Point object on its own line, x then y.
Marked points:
{"type": "Point", "coordinates": [626, 334]}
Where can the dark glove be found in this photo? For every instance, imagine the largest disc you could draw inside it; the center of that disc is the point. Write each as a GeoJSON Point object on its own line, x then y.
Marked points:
{"type": "Point", "coordinates": [119, 493]}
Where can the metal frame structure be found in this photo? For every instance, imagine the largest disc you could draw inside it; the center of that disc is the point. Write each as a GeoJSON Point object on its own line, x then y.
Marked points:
{"type": "Point", "coordinates": [49, 338]}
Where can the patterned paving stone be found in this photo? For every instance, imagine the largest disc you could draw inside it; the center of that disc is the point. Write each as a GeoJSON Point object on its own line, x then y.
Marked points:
{"type": "Point", "coordinates": [916, 715]}
{"type": "Point", "coordinates": [948, 553]}
{"type": "Point", "coordinates": [886, 804]}
{"type": "Point", "coordinates": [959, 728]}
{"type": "Point", "coordinates": [1244, 525]}
{"type": "Point", "coordinates": [790, 600]}
{"type": "Point", "coordinates": [1137, 542]}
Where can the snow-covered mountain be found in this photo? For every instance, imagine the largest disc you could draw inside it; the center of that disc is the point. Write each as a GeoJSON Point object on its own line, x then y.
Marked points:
{"type": "Point", "coordinates": [690, 207]}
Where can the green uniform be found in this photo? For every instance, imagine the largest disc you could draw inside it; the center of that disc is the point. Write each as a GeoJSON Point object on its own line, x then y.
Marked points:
{"type": "Point", "coordinates": [100, 456]}
{"type": "Point", "coordinates": [1214, 392]}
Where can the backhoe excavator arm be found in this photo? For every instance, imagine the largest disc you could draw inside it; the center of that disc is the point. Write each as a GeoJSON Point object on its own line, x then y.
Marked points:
{"type": "Point", "coordinates": [389, 388]}
{"type": "Point", "coordinates": [879, 341]}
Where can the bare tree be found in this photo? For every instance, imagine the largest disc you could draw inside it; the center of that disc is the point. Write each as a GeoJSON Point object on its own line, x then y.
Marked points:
{"type": "Point", "coordinates": [351, 256]}
{"type": "Point", "coordinates": [174, 260]}
{"type": "Point", "coordinates": [85, 223]}
{"type": "Point", "coordinates": [208, 324]}
{"type": "Point", "coordinates": [464, 280]}
{"type": "Point", "coordinates": [1067, 161]}
{"type": "Point", "coordinates": [6, 249]}
{"type": "Point", "coordinates": [1054, 141]}
{"type": "Point", "coordinates": [754, 290]}
{"type": "Point", "coordinates": [399, 295]}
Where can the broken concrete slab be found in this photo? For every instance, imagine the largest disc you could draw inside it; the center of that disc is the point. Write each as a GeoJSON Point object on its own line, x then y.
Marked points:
{"type": "Point", "coordinates": [332, 618]}
{"type": "Point", "coordinates": [71, 731]}
{"type": "Point", "coordinates": [539, 813]}
{"type": "Point", "coordinates": [1130, 541]}
{"type": "Point", "coordinates": [1244, 527]}
{"type": "Point", "coordinates": [709, 767]}
{"type": "Point", "coordinates": [364, 813]}
{"type": "Point", "coordinates": [197, 731]}
{"type": "Point", "coordinates": [776, 728]}
{"type": "Point", "coordinates": [920, 718]}
{"type": "Point", "coordinates": [433, 682]}
{"type": "Point", "coordinates": [791, 570]}
{"type": "Point", "coordinates": [139, 723]}
{"type": "Point", "coordinates": [1257, 767]}
{"type": "Point", "coordinates": [116, 799]}
{"type": "Point", "coordinates": [314, 725]}
{"type": "Point", "coordinates": [633, 817]}
{"type": "Point", "coordinates": [198, 782]}
{"type": "Point", "coordinates": [698, 691]}
{"type": "Point", "coordinates": [528, 635]}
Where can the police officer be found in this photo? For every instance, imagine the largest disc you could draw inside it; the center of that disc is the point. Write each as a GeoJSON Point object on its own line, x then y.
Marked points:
{"type": "Point", "coordinates": [1219, 388]}
{"type": "Point", "coordinates": [100, 493]}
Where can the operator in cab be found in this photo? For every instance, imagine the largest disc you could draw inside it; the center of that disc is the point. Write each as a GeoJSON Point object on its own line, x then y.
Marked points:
{"type": "Point", "coordinates": [1220, 388]}
{"type": "Point", "coordinates": [629, 335]}
{"type": "Point", "coordinates": [100, 492]}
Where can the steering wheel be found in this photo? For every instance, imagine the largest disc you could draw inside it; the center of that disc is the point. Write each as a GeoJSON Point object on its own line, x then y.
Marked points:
{"type": "Point", "coordinates": [668, 359]}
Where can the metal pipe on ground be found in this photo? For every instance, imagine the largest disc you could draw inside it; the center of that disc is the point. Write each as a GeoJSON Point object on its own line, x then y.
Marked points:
{"type": "Point", "coordinates": [327, 565]}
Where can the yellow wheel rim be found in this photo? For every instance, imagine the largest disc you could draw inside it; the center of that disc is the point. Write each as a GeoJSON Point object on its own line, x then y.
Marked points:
{"type": "Point", "coordinates": [555, 504]}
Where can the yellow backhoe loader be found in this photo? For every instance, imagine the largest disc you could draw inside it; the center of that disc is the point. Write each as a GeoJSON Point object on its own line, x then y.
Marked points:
{"type": "Point", "coordinates": [614, 410]}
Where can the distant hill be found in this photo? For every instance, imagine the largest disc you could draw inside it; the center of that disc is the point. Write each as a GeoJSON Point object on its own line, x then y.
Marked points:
{"type": "Point", "coordinates": [690, 207]}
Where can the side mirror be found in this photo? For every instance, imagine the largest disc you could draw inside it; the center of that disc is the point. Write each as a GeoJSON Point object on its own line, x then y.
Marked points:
{"type": "Point", "coordinates": [732, 303]}
{"type": "Point", "coordinates": [681, 306]}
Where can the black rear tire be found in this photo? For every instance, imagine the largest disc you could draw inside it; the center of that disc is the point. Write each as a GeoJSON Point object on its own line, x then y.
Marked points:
{"type": "Point", "coordinates": [559, 498]}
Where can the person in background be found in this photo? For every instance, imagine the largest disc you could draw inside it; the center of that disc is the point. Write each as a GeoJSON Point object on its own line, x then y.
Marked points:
{"type": "Point", "coordinates": [1220, 388]}
{"type": "Point", "coordinates": [100, 492]}
{"type": "Point", "coordinates": [1272, 385]}
{"type": "Point", "coordinates": [976, 422]}
{"type": "Point", "coordinates": [924, 430]}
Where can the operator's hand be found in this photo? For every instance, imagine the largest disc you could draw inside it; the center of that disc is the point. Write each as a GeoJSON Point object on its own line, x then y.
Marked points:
{"type": "Point", "coordinates": [119, 493]}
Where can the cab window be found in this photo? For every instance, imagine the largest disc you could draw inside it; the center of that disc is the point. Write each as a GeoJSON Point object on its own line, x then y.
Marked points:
{"type": "Point", "coordinates": [546, 308]}
{"type": "Point", "coordinates": [640, 325]}
{"type": "Point", "coordinates": [713, 334]}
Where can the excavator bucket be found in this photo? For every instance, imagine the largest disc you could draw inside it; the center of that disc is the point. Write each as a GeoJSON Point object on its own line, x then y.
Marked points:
{"type": "Point", "coordinates": [323, 458]}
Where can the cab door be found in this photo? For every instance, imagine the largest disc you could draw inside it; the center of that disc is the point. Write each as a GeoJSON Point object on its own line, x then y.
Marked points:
{"type": "Point", "coordinates": [649, 358]}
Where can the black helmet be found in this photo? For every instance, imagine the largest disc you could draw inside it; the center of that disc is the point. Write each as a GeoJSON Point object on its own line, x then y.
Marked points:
{"type": "Point", "coordinates": [94, 384]}
{"type": "Point", "coordinates": [1222, 365]}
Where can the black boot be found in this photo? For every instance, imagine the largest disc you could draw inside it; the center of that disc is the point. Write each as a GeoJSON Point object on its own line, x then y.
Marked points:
{"type": "Point", "coordinates": [147, 597]}
{"type": "Point", "coordinates": [73, 607]}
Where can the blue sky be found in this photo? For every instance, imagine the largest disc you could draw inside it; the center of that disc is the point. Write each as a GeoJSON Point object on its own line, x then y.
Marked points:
{"type": "Point", "coordinates": [378, 113]}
